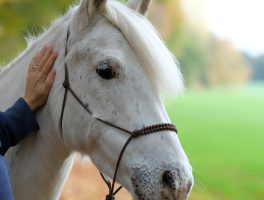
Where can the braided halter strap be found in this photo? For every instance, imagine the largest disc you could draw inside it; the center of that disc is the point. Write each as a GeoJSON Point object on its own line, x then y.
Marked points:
{"type": "Point", "coordinates": [133, 134]}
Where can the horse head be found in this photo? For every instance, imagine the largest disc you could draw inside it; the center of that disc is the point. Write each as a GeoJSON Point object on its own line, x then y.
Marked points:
{"type": "Point", "coordinates": [117, 67]}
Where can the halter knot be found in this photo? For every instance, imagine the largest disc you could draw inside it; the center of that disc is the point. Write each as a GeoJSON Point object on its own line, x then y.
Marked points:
{"type": "Point", "coordinates": [110, 197]}
{"type": "Point", "coordinates": [136, 133]}
{"type": "Point", "coordinates": [66, 84]}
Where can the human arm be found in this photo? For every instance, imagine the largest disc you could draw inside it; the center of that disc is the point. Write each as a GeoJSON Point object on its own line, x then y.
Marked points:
{"type": "Point", "coordinates": [15, 124]}
{"type": "Point", "coordinates": [19, 120]}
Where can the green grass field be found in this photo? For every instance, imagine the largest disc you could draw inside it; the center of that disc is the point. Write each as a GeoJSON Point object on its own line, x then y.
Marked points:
{"type": "Point", "coordinates": [222, 132]}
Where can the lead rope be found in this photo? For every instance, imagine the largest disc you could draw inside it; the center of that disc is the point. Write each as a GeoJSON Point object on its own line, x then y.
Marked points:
{"type": "Point", "coordinates": [145, 131]}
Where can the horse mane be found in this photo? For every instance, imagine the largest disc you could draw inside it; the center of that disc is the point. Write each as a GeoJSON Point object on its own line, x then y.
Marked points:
{"type": "Point", "coordinates": [158, 62]}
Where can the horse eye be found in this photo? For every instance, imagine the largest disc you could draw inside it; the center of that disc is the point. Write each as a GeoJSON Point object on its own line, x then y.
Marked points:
{"type": "Point", "coordinates": [106, 71]}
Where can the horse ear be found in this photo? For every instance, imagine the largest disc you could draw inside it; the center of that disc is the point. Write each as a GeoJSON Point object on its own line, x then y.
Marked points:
{"type": "Point", "coordinates": [140, 6]}
{"type": "Point", "coordinates": [87, 10]}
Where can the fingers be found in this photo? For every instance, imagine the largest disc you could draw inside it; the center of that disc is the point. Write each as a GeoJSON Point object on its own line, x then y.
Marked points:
{"type": "Point", "coordinates": [49, 63]}
{"type": "Point", "coordinates": [45, 56]}
{"type": "Point", "coordinates": [40, 77]}
{"type": "Point", "coordinates": [44, 60]}
{"type": "Point", "coordinates": [50, 79]}
{"type": "Point", "coordinates": [36, 59]}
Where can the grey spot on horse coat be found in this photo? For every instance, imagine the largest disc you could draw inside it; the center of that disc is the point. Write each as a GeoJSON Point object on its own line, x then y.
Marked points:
{"type": "Point", "coordinates": [114, 113]}
{"type": "Point", "coordinates": [137, 107]}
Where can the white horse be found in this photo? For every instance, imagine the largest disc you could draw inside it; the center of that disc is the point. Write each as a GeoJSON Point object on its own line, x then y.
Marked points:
{"type": "Point", "coordinates": [118, 65]}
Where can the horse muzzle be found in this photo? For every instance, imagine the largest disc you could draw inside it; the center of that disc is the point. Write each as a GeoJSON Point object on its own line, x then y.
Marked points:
{"type": "Point", "coordinates": [169, 182]}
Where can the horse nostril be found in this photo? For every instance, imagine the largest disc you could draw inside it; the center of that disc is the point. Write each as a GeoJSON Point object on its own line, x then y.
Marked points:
{"type": "Point", "coordinates": [168, 179]}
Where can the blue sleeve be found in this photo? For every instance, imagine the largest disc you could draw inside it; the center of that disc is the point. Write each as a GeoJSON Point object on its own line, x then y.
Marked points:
{"type": "Point", "coordinates": [15, 124]}
{"type": "Point", "coordinates": [5, 186]}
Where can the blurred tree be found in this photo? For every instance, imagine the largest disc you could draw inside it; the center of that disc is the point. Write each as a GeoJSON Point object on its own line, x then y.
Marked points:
{"type": "Point", "coordinates": [258, 67]}
{"type": "Point", "coordinates": [19, 18]}
{"type": "Point", "coordinates": [185, 43]}
{"type": "Point", "coordinates": [228, 67]}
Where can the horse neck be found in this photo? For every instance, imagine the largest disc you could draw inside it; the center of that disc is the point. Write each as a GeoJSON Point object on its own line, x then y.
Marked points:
{"type": "Point", "coordinates": [38, 170]}
{"type": "Point", "coordinates": [40, 160]}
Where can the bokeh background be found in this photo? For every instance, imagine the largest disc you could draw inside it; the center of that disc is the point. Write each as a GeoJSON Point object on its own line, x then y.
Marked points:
{"type": "Point", "coordinates": [220, 46]}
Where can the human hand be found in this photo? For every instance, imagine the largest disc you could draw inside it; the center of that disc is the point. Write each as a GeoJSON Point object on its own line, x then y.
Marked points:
{"type": "Point", "coordinates": [40, 78]}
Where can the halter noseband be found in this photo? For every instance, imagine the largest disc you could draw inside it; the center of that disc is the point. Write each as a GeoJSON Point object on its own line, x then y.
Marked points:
{"type": "Point", "coordinates": [133, 134]}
